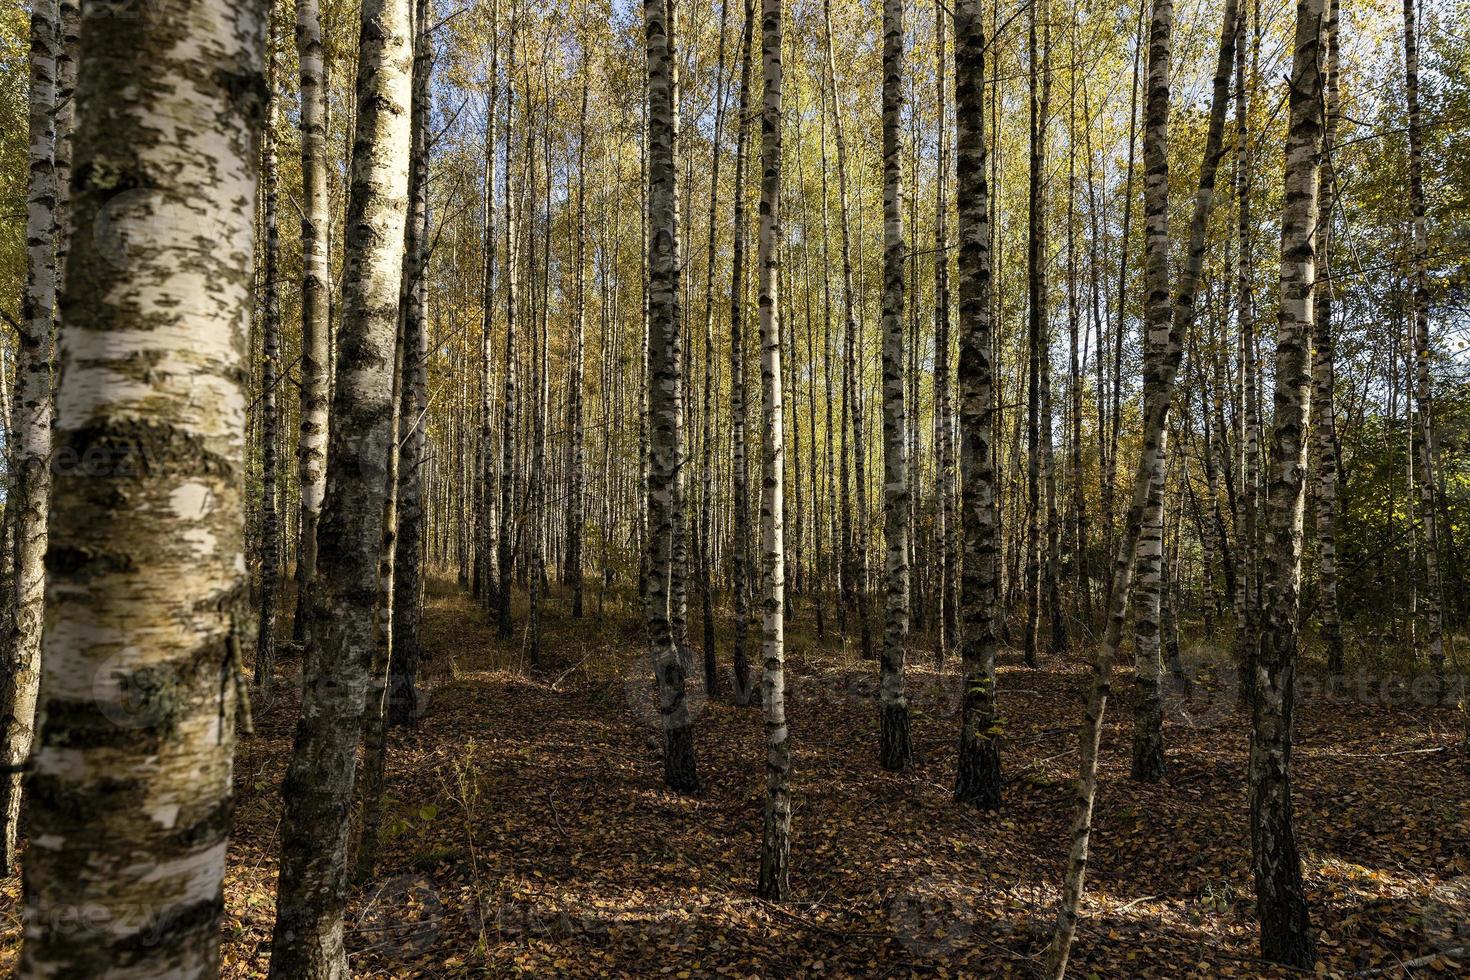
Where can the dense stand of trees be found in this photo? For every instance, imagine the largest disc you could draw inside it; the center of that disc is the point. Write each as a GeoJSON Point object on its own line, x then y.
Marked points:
{"type": "Point", "coordinates": [1042, 327]}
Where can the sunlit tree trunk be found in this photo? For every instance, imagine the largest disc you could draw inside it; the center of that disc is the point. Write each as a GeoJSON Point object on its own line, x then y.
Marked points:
{"type": "Point", "coordinates": [977, 776]}
{"type": "Point", "coordinates": [1148, 719]}
{"type": "Point", "coordinates": [270, 329]}
{"type": "Point", "coordinates": [311, 448]}
{"type": "Point", "coordinates": [317, 791]}
{"type": "Point", "coordinates": [1280, 900]}
{"type": "Point", "coordinates": [1324, 424]}
{"type": "Point", "coordinates": [28, 435]}
{"type": "Point", "coordinates": [947, 519]}
{"type": "Point", "coordinates": [408, 569]}
{"type": "Point", "coordinates": [776, 840]}
{"type": "Point", "coordinates": [855, 577]}
{"type": "Point", "coordinates": [895, 750]}
{"type": "Point", "coordinates": [130, 795]}
{"type": "Point", "coordinates": [1432, 593]}
{"type": "Point", "coordinates": [509, 394]}
{"type": "Point", "coordinates": [739, 467]}
{"type": "Point", "coordinates": [577, 479]}
{"type": "Point", "coordinates": [707, 475]}
{"type": "Point", "coordinates": [1248, 577]}
{"type": "Point", "coordinates": [664, 382]}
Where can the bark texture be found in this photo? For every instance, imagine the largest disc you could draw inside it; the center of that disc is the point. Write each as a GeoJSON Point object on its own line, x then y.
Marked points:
{"type": "Point", "coordinates": [311, 447]}
{"type": "Point", "coordinates": [28, 435]}
{"type": "Point", "coordinates": [775, 880]}
{"type": "Point", "coordinates": [895, 751]}
{"type": "Point", "coordinates": [977, 776]}
{"type": "Point", "coordinates": [130, 797]}
{"type": "Point", "coordinates": [664, 380]}
{"type": "Point", "coordinates": [307, 942]}
{"type": "Point", "coordinates": [1281, 904]}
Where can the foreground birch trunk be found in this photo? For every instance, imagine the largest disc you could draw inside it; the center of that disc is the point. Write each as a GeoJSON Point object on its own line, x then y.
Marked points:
{"type": "Point", "coordinates": [977, 776]}
{"type": "Point", "coordinates": [1148, 718]}
{"type": "Point", "coordinates": [1281, 904]}
{"type": "Point", "coordinates": [664, 382]}
{"type": "Point", "coordinates": [776, 840]}
{"type": "Point", "coordinates": [130, 797]}
{"type": "Point", "coordinates": [1324, 427]}
{"type": "Point", "coordinates": [307, 942]}
{"type": "Point", "coordinates": [1169, 336]}
{"type": "Point", "coordinates": [895, 751]}
{"type": "Point", "coordinates": [28, 435]}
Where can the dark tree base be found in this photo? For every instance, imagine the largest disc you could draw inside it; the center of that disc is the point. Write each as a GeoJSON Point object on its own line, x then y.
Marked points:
{"type": "Point", "coordinates": [680, 774]}
{"type": "Point", "coordinates": [1286, 933]}
{"type": "Point", "coordinates": [895, 749]}
{"type": "Point", "coordinates": [1148, 759]}
{"type": "Point", "coordinates": [977, 778]}
{"type": "Point", "coordinates": [1148, 731]}
{"type": "Point", "coordinates": [775, 876]}
{"type": "Point", "coordinates": [744, 690]}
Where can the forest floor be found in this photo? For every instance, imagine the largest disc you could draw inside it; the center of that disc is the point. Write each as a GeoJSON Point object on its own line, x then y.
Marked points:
{"type": "Point", "coordinates": [528, 830]}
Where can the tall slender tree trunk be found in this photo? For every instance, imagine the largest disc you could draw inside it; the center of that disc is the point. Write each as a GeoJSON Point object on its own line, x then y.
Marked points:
{"type": "Point", "coordinates": [28, 439]}
{"type": "Point", "coordinates": [895, 751]}
{"type": "Point", "coordinates": [977, 773]}
{"type": "Point", "coordinates": [270, 328]}
{"type": "Point", "coordinates": [664, 383]}
{"type": "Point", "coordinates": [775, 862]}
{"type": "Point", "coordinates": [1148, 717]}
{"type": "Point", "coordinates": [1159, 378]}
{"type": "Point", "coordinates": [1038, 333]}
{"type": "Point", "coordinates": [490, 534]}
{"type": "Point", "coordinates": [739, 468]}
{"type": "Point", "coordinates": [1248, 576]}
{"type": "Point", "coordinates": [130, 793]}
{"type": "Point", "coordinates": [402, 704]}
{"type": "Point", "coordinates": [1280, 901]}
{"type": "Point", "coordinates": [311, 447]}
{"type": "Point", "coordinates": [1324, 427]}
{"type": "Point", "coordinates": [1109, 482]}
{"type": "Point", "coordinates": [368, 786]}
{"type": "Point", "coordinates": [707, 485]}
{"type": "Point", "coordinates": [855, 575]}
{"type": "Point", "coordinates": [577, 479]}
{"type": "Point", "coordinates": [946, 516]}
{"type": "Point", "coordinates": [510, 392]}
{"type": "Point", "coordinates": [317, 790]}
{"type": "Point", "coordinates": [1433, 593]}
{"type": "Point", "coordinates": [679, 491]}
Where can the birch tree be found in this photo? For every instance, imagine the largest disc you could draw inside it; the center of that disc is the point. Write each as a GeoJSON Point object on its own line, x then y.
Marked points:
{"type": "Point", "coordinates": [1281, 903]}
{"type": "Point", "coordinates": [739, 465]}
{"type": "Point", "coordinates": [1433, 592]}
{"type": "Point", "coordinates": [775, 883]}
{"type": "Point", "coordinates": [270, 329]}
{"type": "Point", "coordinates": [977, 775]}
{"type": "Point", "coordinates": [30, 431]}
{"type": "Point", "coordinates": [307, 940]}
{"type": "Point", "coordinates": [664, 381]}
{"type": "Point", "coordinates": [1324, 377]}
{"type": "Point", "coordinates": [894, 749]}
{"type": "Point", "coordinates": [311, 452]}
{"type": "Point", "coordinates": [1148, 719]}
{"type": "Point", "coordinates": [130, 792]}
